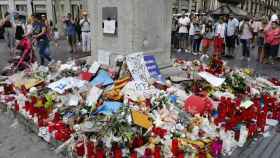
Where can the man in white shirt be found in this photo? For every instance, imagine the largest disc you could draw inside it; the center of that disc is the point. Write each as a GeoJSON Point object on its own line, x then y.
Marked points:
{"type": "Point", "coordinates": [183, 22]}
{"type": "Point", "coordinates": [230, 35]}
{"type": "Point", "coordinates": [85, 28]}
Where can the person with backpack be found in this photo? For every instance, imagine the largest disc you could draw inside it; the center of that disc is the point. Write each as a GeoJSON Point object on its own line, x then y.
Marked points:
{"type": "Point", "coordinates": [85, 28]}
{"type": "Point", "coordinates": [19, 29]}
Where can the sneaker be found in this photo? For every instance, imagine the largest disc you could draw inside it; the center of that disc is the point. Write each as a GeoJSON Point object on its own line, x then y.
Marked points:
{"type": "Point", "coordinates": [179, 50]}
{"type": "Point", "coordinates": [249, 59]}
{"type": "Point", "coordinates": [194, 53]}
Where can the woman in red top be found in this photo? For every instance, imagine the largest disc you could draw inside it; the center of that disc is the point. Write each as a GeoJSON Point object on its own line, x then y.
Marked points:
{"type": "Point", "coordinates": [27, 56]}
{"type": "Point", "coordinates": [272, 39]}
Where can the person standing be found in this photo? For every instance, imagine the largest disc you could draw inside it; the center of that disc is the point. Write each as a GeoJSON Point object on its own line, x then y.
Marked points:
{"type": "Point", "coordinates": [272, 32]}
{"type": "Point", "coordinates": [220, 29]}
{"type": "Point", "coordinates": [230, 36]}
{"type": "Point", "coordinates": [85, 28]}
{"type": "Point", "coordinates": [208, 36]}
{"type": "Point", "coordinates": [19, 29]}
{"type": "Point", "coordinates": [78, 30]}
{"type": "Point", "coordinates": [196, 37]}
{"type": "Point", "coordinates": [9, 32]}
{"type": "Point", "coordinates": [260, 40]}
{"type": "Point", "coordinates": [71, 32]}
{"type": "Point", "coordinates": [40, 34]}
{"type": "Point", "coordinates": [183, 22]}
{"type": "Point", "coordinates": [246, 36]}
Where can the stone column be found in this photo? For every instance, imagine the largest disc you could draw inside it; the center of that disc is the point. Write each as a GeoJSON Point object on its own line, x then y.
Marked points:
{"type": "Point", "coordinates": [59, 14]}
{"type": "Point", "coordinates": [29, 7]}
{"type": "Point", "coordinates": [67, 7]}
{"type": "Point", "coordinates": [49, 8]}
{"type": "Point", "coordinates": [12, 6]}
{"type": "Point", "coordinates": [190, 5]}
{"type": "Point", "coordinates": [143, 26]}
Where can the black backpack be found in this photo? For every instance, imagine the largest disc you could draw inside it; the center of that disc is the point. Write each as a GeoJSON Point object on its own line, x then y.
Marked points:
{"type": "Point", "coordinates": [19, 32]}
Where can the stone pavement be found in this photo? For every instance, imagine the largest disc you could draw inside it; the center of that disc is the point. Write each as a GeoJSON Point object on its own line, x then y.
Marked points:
{"type": "Point", "coordinates": [17, 142]}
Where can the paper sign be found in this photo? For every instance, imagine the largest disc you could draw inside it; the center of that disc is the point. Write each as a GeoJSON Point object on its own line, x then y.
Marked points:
{"type": "Point", "coordinates": [93, 96]}
{"type": "Point", "coordinates": [108, 108]}
{"type": "Point", "coordinates": [213, 80]}
{"type": "Point", "coordinates": [153, 68]}
{"type": "Point", "coordinates": [1, 89]}
{"type": "Point", "coordinates": [109, 26]}
{"type": "Point", "coordinates": [103, 57]}
{"type": "Point", "coordinates": [137, 67]}
{"type": "Point", "coordinates": [44, 133]}
{"type": "Point", "coordinates": [32, 83]}
{"type": "Point", "coordinates": [141, 119]}
{"type": "Point", "coordinates": [246, 104]}
{"type": "Point", "coordinates": [102, 78]}
{"type": "Point", "coordinates": [94, 67]}
{"type": "Point", "coordinates": [66, 83]}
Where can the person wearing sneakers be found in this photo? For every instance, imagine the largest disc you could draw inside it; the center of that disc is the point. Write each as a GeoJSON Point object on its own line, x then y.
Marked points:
{"type": "Point", "coordinates": [183, 22]}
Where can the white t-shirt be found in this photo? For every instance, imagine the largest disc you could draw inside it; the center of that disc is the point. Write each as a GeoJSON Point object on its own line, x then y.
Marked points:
{"type": "Point", "coordinates": [220, 30]}
{"type": "Point", "coordinates": [192, 30]}
{"type": "Point", "coordinates": [183, 22]}
{"type": "Point", "coordinates": [274, 17]}
{"type": "Point", "coordinates": [85, 26]}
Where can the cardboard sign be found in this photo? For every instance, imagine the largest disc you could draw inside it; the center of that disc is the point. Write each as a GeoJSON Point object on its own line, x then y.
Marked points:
{"type": "Point", "coordinates": [141, 119]}
{"type": "Point", "coordinates": [137, 67]}
{"type": "Point", "coordinates": [153, 68]}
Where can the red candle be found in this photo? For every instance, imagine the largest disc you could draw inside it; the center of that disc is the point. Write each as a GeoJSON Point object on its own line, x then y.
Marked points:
{"type": "Point", "coordinates": [157, 152]}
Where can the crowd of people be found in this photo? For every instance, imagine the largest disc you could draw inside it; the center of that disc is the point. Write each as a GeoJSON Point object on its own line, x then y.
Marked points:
{"type": "Point", "coordinates": [40, 32]}
{"type": "Point", "coordinates": [197, 34]}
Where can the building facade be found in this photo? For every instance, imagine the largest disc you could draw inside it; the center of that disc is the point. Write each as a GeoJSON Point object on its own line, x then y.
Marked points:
{"type": "Point", "coordinates": [54, 9]}
{"type": "Point", "coordinates": [253, 7]}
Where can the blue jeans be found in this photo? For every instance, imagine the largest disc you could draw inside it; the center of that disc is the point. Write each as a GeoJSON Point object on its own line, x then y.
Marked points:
{"type": "Point", "coordinates": [196, 45]}
{"type": "Point", "coordinates": [245, 47]}
{"type": "Point", "coordinates": [43, 46]}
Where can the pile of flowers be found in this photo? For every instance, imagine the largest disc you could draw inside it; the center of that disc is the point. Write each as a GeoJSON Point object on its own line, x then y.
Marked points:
{"type": "Point", "coordinates": [101, 111]}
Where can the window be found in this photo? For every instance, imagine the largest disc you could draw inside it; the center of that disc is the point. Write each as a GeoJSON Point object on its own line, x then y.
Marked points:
{"type": "Point", "coordinates": [21, 8]}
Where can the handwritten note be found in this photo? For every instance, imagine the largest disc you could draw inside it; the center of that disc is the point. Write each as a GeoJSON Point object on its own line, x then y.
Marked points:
{"type": "Point", "coordinates": [137, 67]}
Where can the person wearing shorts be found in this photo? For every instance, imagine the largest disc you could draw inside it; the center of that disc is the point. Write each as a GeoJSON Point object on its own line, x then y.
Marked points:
{"type": "Point", "coordinates": [71, 32]}
{"type": "Point", "coordinates": [183, 31]}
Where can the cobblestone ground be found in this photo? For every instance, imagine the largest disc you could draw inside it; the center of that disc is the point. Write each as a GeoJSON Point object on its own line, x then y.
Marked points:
{"type": "Point", "coordinates": [18, 142]}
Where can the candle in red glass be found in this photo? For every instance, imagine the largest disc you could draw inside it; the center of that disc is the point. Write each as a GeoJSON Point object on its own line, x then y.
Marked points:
{"type": "Point", "coordinates": [133, 154]}
{"type": "Point", "coordinates": [80, 149]}
{"type": "Point", "coordinates": [90, 149]}
{"type": "Point", "coordinates": [157, 152]}
{"type": "Point", "coordinates": [117, 152]}
{"type": "Point", "coordinates": [175, 146]}
{"type": "Point", "coordinates": [100, 153]}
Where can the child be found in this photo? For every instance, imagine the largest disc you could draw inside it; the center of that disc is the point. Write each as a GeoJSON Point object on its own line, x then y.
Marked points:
{"type": "Point", "coordinates": [56, 37]}
{"type": "Point", "coordinates": [208, 36]}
